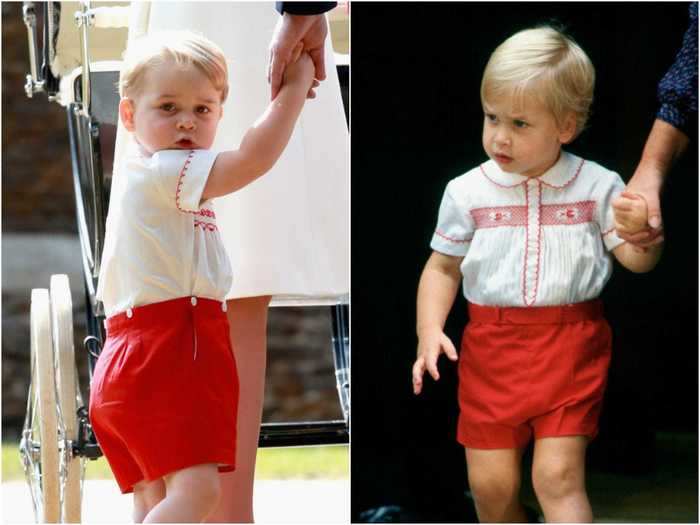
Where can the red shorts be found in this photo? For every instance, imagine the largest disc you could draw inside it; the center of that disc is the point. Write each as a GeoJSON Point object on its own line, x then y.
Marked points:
{"type": "Point", "coordinates": [540, 370]}
{"type": "Point", "coordinates": [164, 393]}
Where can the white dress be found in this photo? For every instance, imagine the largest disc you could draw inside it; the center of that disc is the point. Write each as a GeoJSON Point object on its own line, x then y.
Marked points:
{"type": "Point", "coordinates": [286, 234]}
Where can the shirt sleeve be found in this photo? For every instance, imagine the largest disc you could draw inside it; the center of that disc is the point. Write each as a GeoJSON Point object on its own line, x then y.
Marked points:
{"type": "Point", "coordinates": [182, 175]}
{"type": "Point", "coordinates": [604, 211]}
{"type": "Point", "coordinates": [455, 228]}
{"type": "Point", "coordinates": [678, 89]}
{"type": "Point", "coordinates": [304, 8]}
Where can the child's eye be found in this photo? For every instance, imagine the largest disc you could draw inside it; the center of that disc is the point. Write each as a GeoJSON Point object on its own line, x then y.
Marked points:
{"type": "Point", "coordinates": [491, 117]}
{"type": "Point", "coordinates": [168, 106]}
{"type": "Point", "coordinates": [203, 109]}
{"type": "Point", "coordinates": [520, 124]}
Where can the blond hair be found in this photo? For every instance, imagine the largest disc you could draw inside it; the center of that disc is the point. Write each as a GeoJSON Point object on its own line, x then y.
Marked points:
{"type": "Point", "coordinates": [182, 48]}
{"type": "Point", "coordinates": [545, 63]}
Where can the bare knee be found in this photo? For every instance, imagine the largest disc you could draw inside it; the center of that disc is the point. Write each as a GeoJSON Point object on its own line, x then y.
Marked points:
{"type": "Point", "coordinates": [147, 494]}
{"type": "Point", "coordinates": [554, 480]}
{"type": "Point", "coordinates": [200, 485]}
{"type": "Point", "coordinates": [494, 493]}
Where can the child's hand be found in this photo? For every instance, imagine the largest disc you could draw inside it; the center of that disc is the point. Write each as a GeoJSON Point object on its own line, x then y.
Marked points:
{"type": "Point", "coordinates": [430, 346]}
{"type": "Point", "coordinates": [630, 211]}
{"type": "Point", "coordinates": [300, 72]}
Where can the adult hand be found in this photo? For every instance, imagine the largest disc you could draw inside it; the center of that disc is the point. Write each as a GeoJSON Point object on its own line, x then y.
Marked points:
{"type": "Point", "coordinates": [664, 145]}
{"type": "Point", "coordinates": [311, 31]}
{"type": "Point", "coordinates": [646, 182]}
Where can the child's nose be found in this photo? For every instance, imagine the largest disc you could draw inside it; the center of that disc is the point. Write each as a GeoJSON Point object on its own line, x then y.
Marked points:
{"type": "Point", "coordinates": [502, 137]}
{"type": "Point", "coordinates": [186, 123]}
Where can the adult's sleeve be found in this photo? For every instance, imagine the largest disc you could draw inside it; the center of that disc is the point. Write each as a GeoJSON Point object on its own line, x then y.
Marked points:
{"type": "Point", "coordinates": [182, 175]}
{"type": "Point", "coordinates": [304, 8]}
{"type": "Point", "coordinates": [678, 89]}
{"type": "Point", "coordinates": [609, 190]}
{"type": "Point", "coordinates": [455, 227]}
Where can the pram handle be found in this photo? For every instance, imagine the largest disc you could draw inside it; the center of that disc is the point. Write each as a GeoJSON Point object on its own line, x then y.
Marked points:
{"type": "Point", "coordinates": [98, 17]}
{"type": "Point", "coordinates": [104, 17]}
{"type": "Point", "coordinates": [33, 84]}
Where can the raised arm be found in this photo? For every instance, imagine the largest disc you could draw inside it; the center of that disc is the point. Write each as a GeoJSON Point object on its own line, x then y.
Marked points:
{"type": "Point", "coordinates": [265, 141]}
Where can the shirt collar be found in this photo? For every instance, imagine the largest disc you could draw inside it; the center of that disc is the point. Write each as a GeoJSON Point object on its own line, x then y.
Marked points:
{"type": "Point", "coordinates": [561, 174]}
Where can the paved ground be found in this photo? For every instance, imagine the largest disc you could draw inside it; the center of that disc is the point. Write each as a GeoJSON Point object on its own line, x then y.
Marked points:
{"type": "Point", "coordinates": [289, 501]}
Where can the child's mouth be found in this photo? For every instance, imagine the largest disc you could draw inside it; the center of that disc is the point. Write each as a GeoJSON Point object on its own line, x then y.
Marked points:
{"type": "Point", "coordinates": [184, 143]}
{"type": "Point", "coordinates": [503, 159]}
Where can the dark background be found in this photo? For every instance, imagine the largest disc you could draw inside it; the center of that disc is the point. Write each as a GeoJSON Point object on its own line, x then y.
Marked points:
{"type": "Point", "coordinates": [417, 123]}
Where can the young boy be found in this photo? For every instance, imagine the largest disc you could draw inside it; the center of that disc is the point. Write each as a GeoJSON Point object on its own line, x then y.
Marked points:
{"type": "Point", "coordinates": [164, 385]}
{"type": "Point", "coordinates": [527, 233]}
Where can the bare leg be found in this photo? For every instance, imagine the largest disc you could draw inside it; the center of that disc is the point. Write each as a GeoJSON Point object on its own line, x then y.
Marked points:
{"type": "Point", "coordinates": [147, 494]}
{"type": "Point", "coordinates": [494, 481]}
{"type": "Point", "coordinates": [559, 478]}
{"type": "Point", "coordinates": [190, 495]}
{"type": "Point", "coordinates": [248, 320]}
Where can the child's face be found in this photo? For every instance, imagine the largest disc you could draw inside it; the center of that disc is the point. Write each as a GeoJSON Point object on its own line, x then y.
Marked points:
{"type": "Point", "coordinates": [178, 107]}
{"type": "Point", "coordinates": [525, 139]}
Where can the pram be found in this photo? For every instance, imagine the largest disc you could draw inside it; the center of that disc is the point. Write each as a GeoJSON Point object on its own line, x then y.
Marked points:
{"type": "Point", "coordinates": [77, 66]}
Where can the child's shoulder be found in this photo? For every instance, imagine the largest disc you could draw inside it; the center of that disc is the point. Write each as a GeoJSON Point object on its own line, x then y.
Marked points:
{"type": "Point", "coordinates": [469, 181]}
{"type": "Point", "coordinates": [597, 175]}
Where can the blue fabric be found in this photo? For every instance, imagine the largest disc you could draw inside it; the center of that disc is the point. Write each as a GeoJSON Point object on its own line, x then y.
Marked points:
{"type": "Point", "coordinates": [678, 89]}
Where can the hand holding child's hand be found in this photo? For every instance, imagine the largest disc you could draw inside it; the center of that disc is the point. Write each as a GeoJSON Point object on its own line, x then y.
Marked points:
{"type": "Point", "coordinates": [430, 346]}
{"type": "Point", "coordinates": [630, 211]}
{"type": "Point", "coordinates": [300, 72]}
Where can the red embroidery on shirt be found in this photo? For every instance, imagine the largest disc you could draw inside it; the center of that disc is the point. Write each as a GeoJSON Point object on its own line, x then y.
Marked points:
{"type": "Point", "coordinates": [458, 241]}
{"type": "Point", "coordinates": [499, 216]}
{"type": "Point", "coordinates": [539, 247]}
{"type": "Point", "coordinates": [207, 213]}
{"type": "Point", "coordinates": [527, 238]}
{"type": "Point", "coordinates": [180, 181]}
{"type": "Point", "coordinates": [608, 232]}
{"type": "Point", "coordinates": [205, 225]}
{"type": "Point", "coordinates": [496, 183]}
{"type": "Point", "coordinates": [567, 213]}
{"type": "Point", "coordinates": [572, 179]}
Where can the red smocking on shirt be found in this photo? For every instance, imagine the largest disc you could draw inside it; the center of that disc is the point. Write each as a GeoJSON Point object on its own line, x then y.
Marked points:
{"type": "Point", "coordinates": [496, 216]}
{"type": "Point", "coordinates": [567, 213]}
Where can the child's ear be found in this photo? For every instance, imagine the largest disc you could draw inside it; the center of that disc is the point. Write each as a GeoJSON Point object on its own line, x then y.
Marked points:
{"type": "Point", "coordinates": [567, 131]}
{"type": "Point", "coordinates": [126, 113]}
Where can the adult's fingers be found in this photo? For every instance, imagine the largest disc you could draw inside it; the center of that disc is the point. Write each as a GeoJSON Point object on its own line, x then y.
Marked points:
{"type": "Point", "coordinates": [276, 70]}
{"type": "Point", "coordinates": [634, 238]}
{"type": "Point", "coordinates": [318, 58]}
{"type": "Point", "coordinates": [296, 52]}
{"type": "Point", "coordinates": [653, 210]}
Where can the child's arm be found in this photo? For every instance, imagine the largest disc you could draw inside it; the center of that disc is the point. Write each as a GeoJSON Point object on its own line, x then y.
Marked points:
{"type": "Point", "coordinates": [630, 212]}
{"type": "Point", "coordinates": [265, 141]}
{"type": "Point", "coordinates": [638, 260]}
{"type": "Point", "coordinates": [437, 289]}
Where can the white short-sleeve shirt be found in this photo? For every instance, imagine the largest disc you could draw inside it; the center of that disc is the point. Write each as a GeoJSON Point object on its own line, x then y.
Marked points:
{"type": "Point", "coordinates": [161, 241]}
{"type": "Point", "coordinates": [531, 241]}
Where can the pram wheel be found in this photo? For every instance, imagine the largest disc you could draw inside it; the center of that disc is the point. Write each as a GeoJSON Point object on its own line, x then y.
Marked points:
{"type": "Point", "coordinates": [72, 466]}
{"type": "Point", "coordinates": [39, 445]}
{"type": "Point", "coordinates": [53, 472]}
